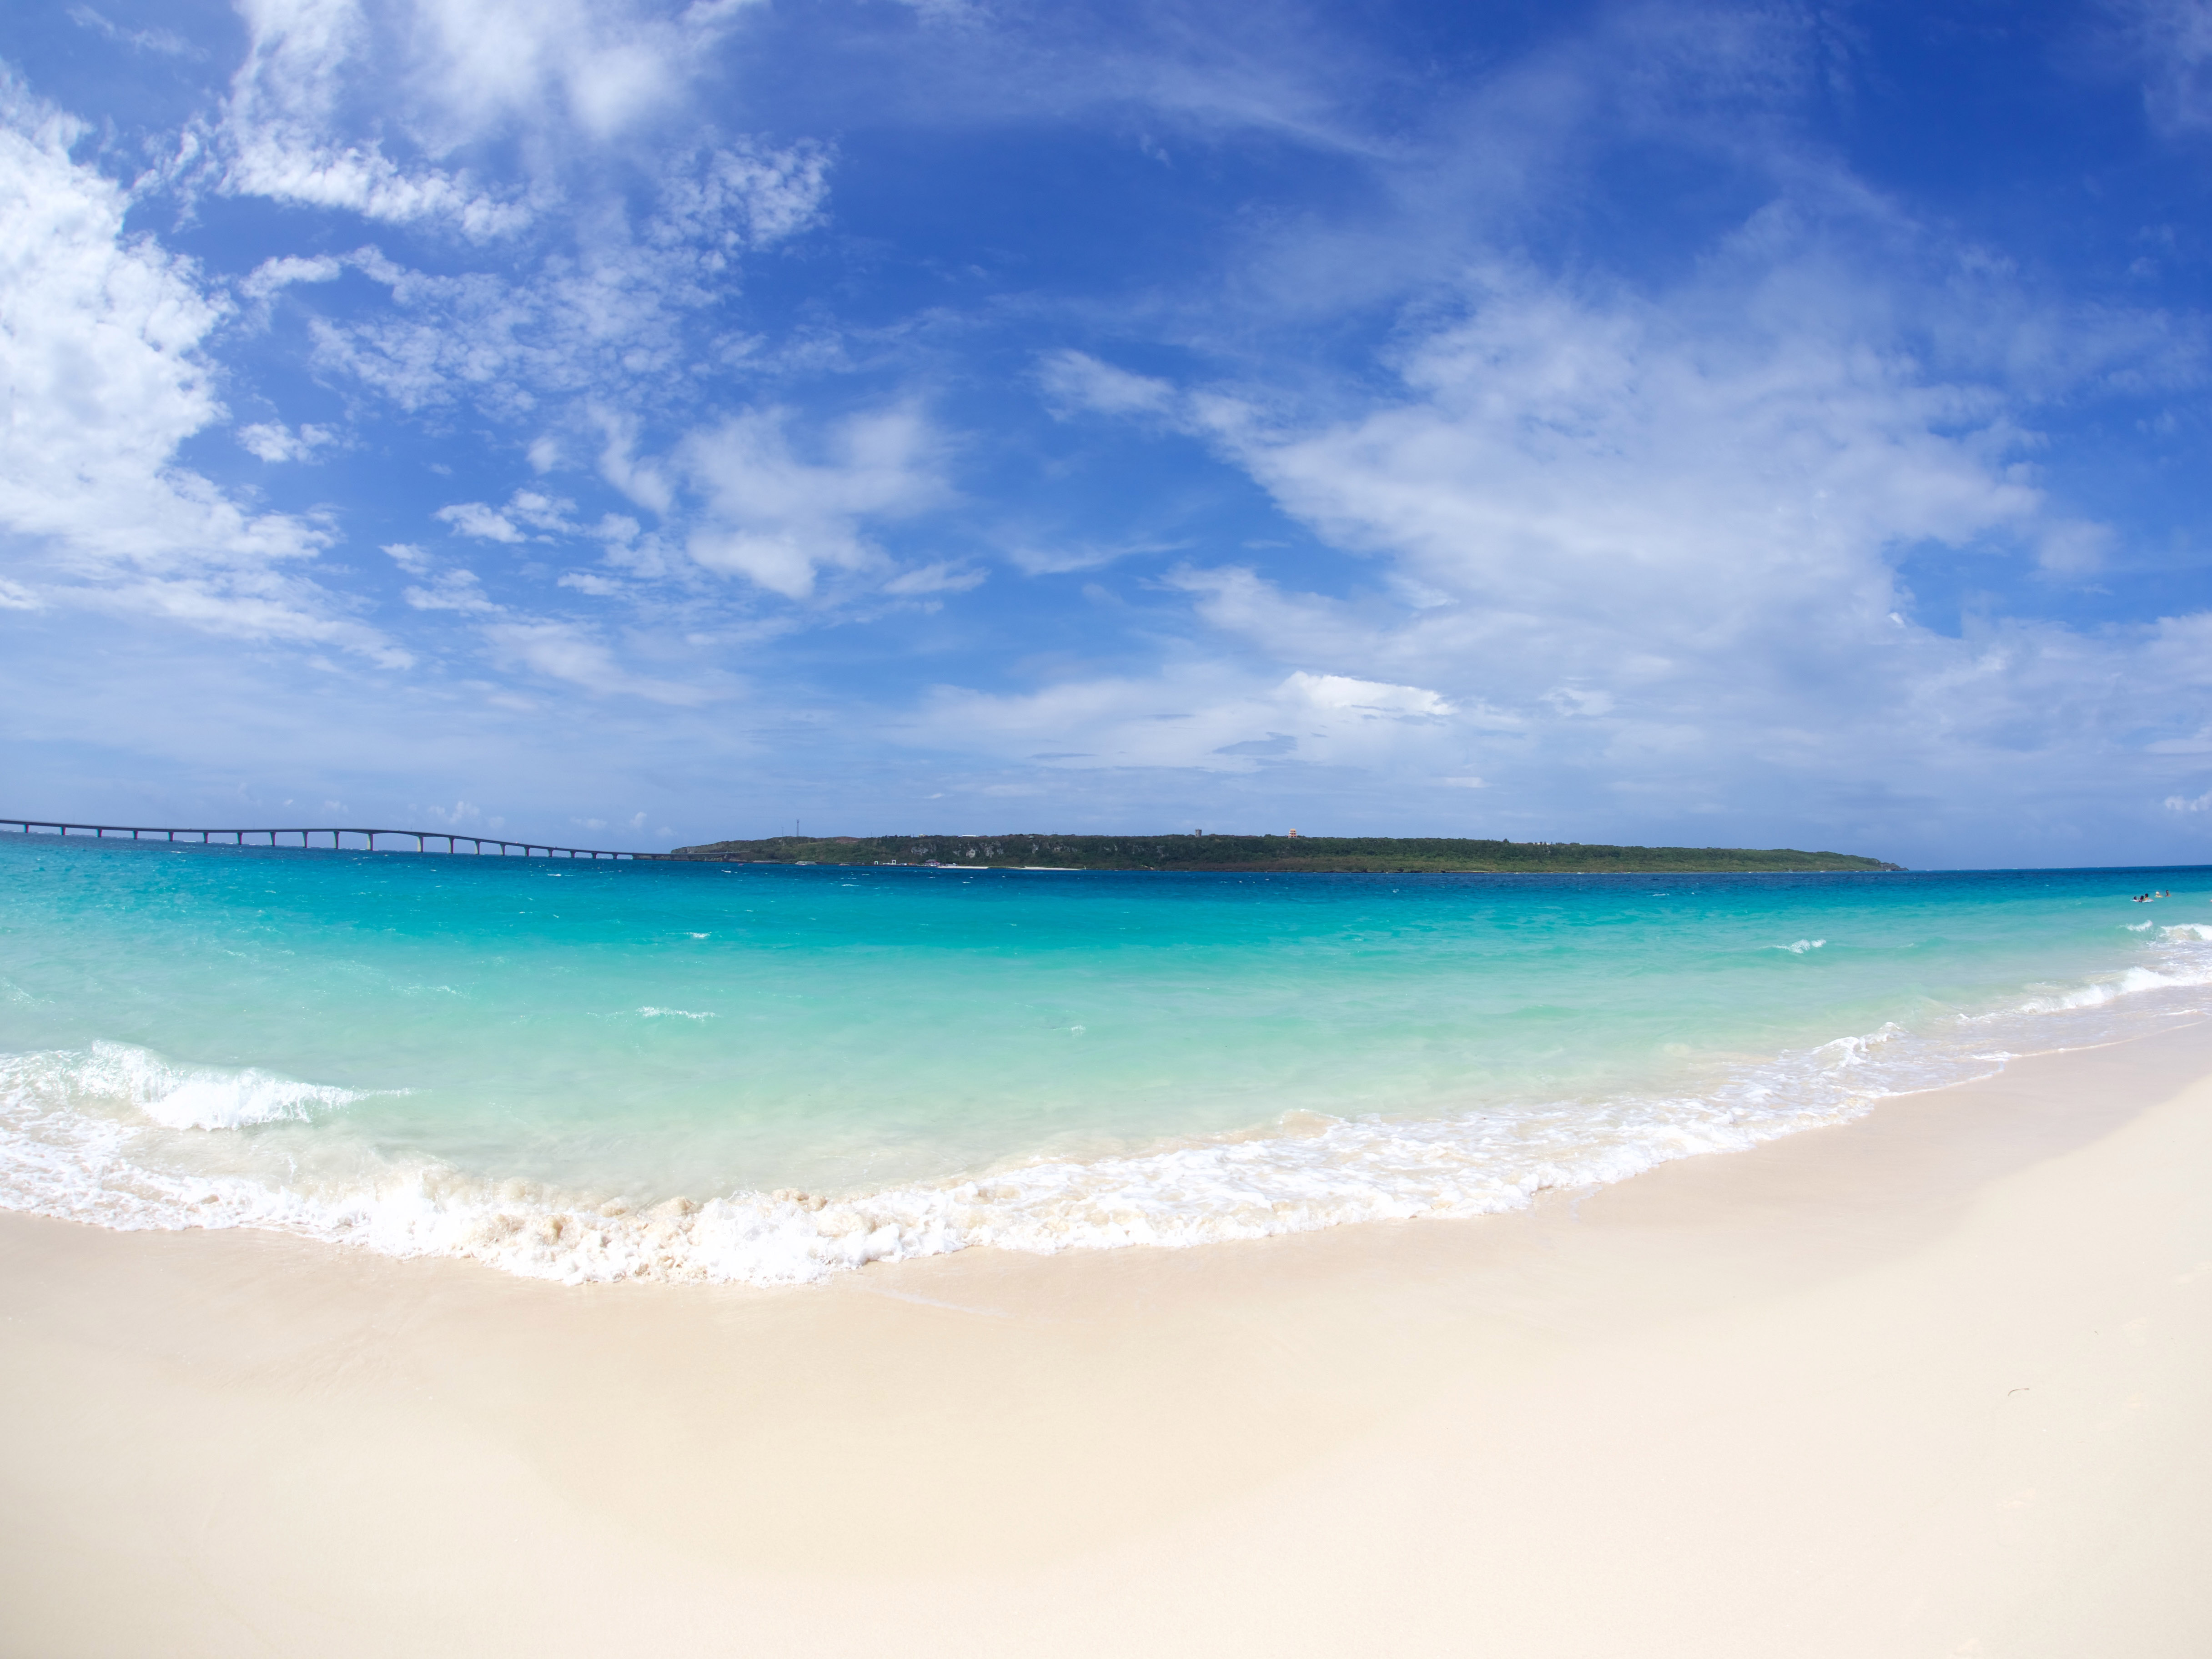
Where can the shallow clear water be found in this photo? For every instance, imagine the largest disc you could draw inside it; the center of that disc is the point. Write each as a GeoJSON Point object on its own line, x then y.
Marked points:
{"type": "Point", "coordinates": [763, 1072]}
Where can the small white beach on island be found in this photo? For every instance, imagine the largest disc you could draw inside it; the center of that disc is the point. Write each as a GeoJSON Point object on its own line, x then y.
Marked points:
{"type": "Point", "coordinates": [1931, 1383]}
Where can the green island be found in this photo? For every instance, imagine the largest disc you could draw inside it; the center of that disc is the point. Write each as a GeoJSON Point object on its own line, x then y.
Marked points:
{"type": "Point", "coordinates": [1370, 854]}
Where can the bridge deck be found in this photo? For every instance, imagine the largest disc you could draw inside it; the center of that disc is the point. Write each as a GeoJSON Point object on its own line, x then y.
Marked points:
{"type": "Point", "coordinates": [421, 838]}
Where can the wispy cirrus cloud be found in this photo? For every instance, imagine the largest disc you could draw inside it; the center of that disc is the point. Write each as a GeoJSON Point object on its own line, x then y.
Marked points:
{"type": "Point", "coordinates": [166, 43]}
{"type": "Point", "coordinates": [2169, 43]}
{"type": "Point", "coordinates": [1198, 718]}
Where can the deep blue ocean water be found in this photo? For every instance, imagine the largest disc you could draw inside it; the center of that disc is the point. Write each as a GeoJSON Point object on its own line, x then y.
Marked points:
{"type": "Point", "coordinates": [761, 1072]}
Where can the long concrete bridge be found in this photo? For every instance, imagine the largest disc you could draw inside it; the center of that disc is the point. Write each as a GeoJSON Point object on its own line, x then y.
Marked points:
{"type": "Point", "coordinates": [309, 838]}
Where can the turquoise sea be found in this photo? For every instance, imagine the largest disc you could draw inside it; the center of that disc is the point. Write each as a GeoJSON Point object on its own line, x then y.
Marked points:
{"type": "Point", "coordinates": [602, 1071]}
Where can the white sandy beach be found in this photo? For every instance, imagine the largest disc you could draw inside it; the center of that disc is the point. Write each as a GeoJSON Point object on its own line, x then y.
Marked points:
{"type": "Point", "coordinates": [1937, 1383]}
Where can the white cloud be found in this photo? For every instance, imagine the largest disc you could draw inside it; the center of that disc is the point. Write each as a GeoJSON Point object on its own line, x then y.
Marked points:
{"type": "Point", "coordinates": [1204, 719]}
{"type": "Point", "coordinates": [1367, 699]}
{"type": "Point", "coordinates": [166, 42]}
{"type": "Point", "coordinates": [101, 333]}
{"type": "Point", "coordinates": [625, 318]}
{"type": "Point", "coordinates": [274, 441]}
{"type": "Point", "coordinates": [746, 194]}
{"type": "Point", "coordinates": [281, 131]}
{"type": "Point", "coordinates": [2073, 547]}
{"type": "Point", "coordinates": [2198, 743]}
{"type": "Point", "coordinates": [609, 65]}
{"type": "Point", "coordinates": [778, 518]}
{"type": "Point", "coordinates": [1625, 466]}
{"type": "Point", "coordinates": [452, 590]}
{"type": "Point", "coordinates": [475, 518]}
{"type": "Point", "coordinates": [1084, 555]}
{"type": "Point", "coordinates": [642, 481]}
{"type": "Point", "coordinates": [1075, 380]}
{"type": "Point", "coordinates": [2173, 42]}
{"type": "Point", "coordinates": [1654, 547]}
{"type": "Point", "coordinates": [940, 578]}
{"type": "Point", "coordinates": [272, 276]}
{"type": "Point", "coordinates": [327, 84]}
{"type": "Point", "coordinates": [548, 513]}
{"type": "Point", "coordinates": [459, 814]}
{"type": "Point", "coordinates": [568, 650]}
{"type": "Point", "coordinates": [584, 581]}
{"type": "Point", "coordinates": [2189, 804]}
{"type": "Point", "coordinates": [1673, 522]}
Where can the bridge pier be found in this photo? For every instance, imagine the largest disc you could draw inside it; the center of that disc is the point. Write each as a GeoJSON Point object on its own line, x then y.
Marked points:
{"type": "Point", "coordinates": [274, 838]}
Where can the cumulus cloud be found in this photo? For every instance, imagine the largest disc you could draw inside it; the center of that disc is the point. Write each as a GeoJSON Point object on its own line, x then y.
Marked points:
{"type": "Point", "coordinates": [779, 517]}
{"type": "Point", "coordinates": [274, 441]}
{"type": "Point", "coordinates": [609, 65]}
{"type": "Point", "coordinates": [452, 590]}
{"type": "Point", "coordinates": [103, 333]}
{"type": "Point", "coordinates": [546, 514]}
{"type": "Point", "coordinates": [1656, 519]}
{"type": "Point", "coordinates": [282, 132]}
{"type": "Point", "coordinates": [483, 523]}
{"type": "Point", "coordinates": [1656, 546]}
{"type": "Point", "coordinates": [272, 276]}
{"type": "Point", "coordinates": [1659, 482]}
{"type": "Point", "coordinates": [327, 84]}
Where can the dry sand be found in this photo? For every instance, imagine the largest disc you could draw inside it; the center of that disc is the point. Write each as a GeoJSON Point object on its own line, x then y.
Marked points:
{"type": "Point", "coordinates": [1937, 1383]}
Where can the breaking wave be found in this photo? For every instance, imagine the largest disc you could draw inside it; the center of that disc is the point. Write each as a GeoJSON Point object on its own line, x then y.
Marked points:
{"type": "Point", "coordinates": [120, 1136]}
{"type": "Point", "coordinates": [174, 1095]}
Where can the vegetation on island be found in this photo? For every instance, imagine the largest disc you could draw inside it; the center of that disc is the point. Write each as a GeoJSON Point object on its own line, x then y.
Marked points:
{"type": "Point", "coordinates": [1376, 855]}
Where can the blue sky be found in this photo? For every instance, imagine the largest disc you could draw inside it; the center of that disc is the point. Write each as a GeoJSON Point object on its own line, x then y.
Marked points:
{"type": "Point", "coordinates": [633, 424]}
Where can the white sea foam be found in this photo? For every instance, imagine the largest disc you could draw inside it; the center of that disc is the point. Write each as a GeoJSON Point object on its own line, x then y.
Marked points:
{"type": "Point", "coordinates": [175, 1095]}
{"type": "Point", "coordinates": [2131, 982]}
{"type": "Point", "coordinates": [1800, 947]}
{"type": "Point", "coordinates": [108, 1135]}
{"type": "Point", "coordinates": [672, 1013]}
{"type": "Point", "coordinates": [1312, 1174]}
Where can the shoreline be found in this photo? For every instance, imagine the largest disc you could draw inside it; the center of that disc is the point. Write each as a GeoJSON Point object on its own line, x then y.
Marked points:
{"type": "Point", "coordinates": [105, 836]}
{"type": "Point", "coordinates": [1928, 1381]}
